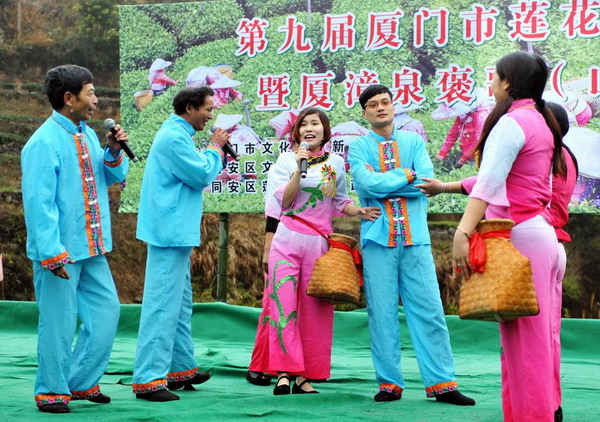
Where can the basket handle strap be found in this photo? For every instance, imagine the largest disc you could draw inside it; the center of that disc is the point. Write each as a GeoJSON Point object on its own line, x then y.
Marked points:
{"type": "Point", "coordinates": [308, 224]}
{"type": "Point", "coordinates": [477, 253]}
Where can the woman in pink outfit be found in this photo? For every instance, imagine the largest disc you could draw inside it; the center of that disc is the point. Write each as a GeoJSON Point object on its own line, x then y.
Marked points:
{"type": "Point", "coordinates": [300, 327]}
{"type": "Point", "coordinates": [520, 148]}
{"type": "Point", "coordinates": [557, 215]}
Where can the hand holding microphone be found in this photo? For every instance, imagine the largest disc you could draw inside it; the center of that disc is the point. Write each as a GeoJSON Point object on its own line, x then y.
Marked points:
{"type": "Point", "coordinates": [221, 137]}
{"type": "Point", "coordinates": [304, 159]}
{"type": "Point", "coordinates": [109, 124]}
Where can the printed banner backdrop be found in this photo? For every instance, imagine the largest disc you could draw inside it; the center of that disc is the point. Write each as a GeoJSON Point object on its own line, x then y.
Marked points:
{"type": "Point", "coordinates": [267, 59]}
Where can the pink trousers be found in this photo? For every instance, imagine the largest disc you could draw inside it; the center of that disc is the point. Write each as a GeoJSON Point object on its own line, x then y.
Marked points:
{"type": "Point", "coordinates": [299, 328]}
{"type": "Point", "coordinates": [260, 353]}
{"type": "Point", "coordinates": [562, 268]}
{"type": "Point", "coordinates": [531, 345]}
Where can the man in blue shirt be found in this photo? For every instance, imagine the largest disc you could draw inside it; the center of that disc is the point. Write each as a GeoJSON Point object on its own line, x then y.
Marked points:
{"type": "Point", "coordinates": [66, 174]}
{"type": "Point", "coordinates": [386, 164]}
{"type": "Point", "coordinates": [169, 218]}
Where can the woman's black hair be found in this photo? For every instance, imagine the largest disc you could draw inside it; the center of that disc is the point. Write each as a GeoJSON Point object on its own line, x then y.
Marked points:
{"type": "Point", "coordinates": [563, 121]}
{"type": "Point", "coordinates": [324, 121]}
{"type": "Point", "coordinates": [527, 75]}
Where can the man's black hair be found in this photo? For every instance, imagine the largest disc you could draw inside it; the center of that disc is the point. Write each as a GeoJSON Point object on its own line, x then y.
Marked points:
{"type": "Point", "coordinates": [372, 91]}
{"type": "Point", "coordinates": [63, 79]}
{"type": "Point", "coordinates": [195, 96]}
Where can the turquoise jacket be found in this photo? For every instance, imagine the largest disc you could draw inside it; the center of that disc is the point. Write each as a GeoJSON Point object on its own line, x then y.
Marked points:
{"type": "Point", "coordinates": [66, 175]}
{"type": "Point", "coordinates": [398, 165]}
{"type": "Point", "coordinates": [170, 208]}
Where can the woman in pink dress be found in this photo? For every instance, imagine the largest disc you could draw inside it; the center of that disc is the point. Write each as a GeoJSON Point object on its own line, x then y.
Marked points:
{"type": "Point", "coordinates": [520, 148]}
{"type": "Point", "coordinates": [557, 215]}
{"type": "Point", "coordinates": [300, 327]}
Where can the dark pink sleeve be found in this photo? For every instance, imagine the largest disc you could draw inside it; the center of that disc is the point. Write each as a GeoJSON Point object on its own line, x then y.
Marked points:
{"type": "Point", "coordinates": [468, 183]}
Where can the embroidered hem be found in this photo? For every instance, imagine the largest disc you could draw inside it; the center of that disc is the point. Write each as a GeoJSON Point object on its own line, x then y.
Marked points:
{"type": "Point", "coordinates": [216, 147]}
{"type": "Point", "coordinates": [43, 399]}
{"type": "Point", "coordinates": [182, 376]}
{"type": "Point", "coordinates": [391, 388]}
{"type": "Point", "coordinates": [446, 387]}
{"type": "Point", "coordinates": [56, 262]}
{"type": "Point", "coordinates": [407, 236]}
{"type": "Point", "coordinates": [86, 395]}
{"type": "Point", "coordinates": [313, 160]}
{"type": "Point", "coordinates": [90, 198]}
{"type": "Point", "coordinates": [410, 175]}
{"type": "Point", "coordinates": [396, 208]}
{"type": "Point", "coordinates": [115, 163]}
{"type": "Point", "coordinates": [160, 384]}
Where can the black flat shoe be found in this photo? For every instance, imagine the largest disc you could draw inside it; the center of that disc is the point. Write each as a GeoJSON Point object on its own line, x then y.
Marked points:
{"type": "Point", "coordinates": [455, 397]}
{"type": "Point", "coordinates": [199, 378]}
{"type": "Point", "coordinates": [297, 389]}
{"type": "Point", "coordinates": [387, 396]}
{"type": "Point", "coordinates": [158, 395]}
{"type": "Point", "coordinates": [258, 379]}
{"type": "Point", "coordinates": [284, 389]}
{"type": "Point", "coordinates": [54, 408]}
{"type": "Point", "coordinates": [558, 415]}
{"type": "Point", "coordinates": [100, 398]}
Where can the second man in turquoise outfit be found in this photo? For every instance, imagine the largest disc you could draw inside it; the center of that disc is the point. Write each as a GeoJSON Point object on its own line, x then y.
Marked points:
{"type": "Point", "coordinates": [169, 218]}
{"type": "Point", "coordinates": [386, 164]}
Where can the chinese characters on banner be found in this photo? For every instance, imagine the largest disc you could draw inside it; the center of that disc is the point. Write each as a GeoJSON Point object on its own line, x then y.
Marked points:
{"type": "Point", "coordinates": [249, 176]}
{"type": "Point", "coordinates": [266, 64]}
{"type": "Point", "coordinates": [529, 22]}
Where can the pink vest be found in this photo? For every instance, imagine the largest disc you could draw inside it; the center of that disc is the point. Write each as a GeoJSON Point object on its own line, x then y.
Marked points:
{"type": "Point", "coordinates": [562, 190]}
{"type": "Point", "coordinates": [528, 182]}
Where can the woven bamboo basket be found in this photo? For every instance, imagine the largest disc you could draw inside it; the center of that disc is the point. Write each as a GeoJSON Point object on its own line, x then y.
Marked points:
{"type": "Point", "coordinates": [142, 99]}
{"type": "Point", "coordinates": [334, 277]}
{"type": "Point", "coordinates": [226, 70]}
{"type": "Point", "coordinates": [505, 289]}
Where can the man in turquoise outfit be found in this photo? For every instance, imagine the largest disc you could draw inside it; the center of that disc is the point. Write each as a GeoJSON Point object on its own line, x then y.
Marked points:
{"type": "Point", "coordinates": [169, 219]}
{"type": "Point", "coordinates": [386, 164]}
{"type": "Point", "coordinates": [66, 174]}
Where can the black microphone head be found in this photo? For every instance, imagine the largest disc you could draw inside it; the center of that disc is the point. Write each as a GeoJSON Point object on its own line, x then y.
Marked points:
{"type": "Point", "coordinates": [109, 124]}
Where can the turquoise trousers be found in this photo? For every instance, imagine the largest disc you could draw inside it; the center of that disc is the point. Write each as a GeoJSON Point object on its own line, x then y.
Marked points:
{"type": "Point", "coordinates": [407, 272]}
{"type": "Point", "coordinates": [90, 294]}
{"type": "Point", "coordinates": [165, 349]}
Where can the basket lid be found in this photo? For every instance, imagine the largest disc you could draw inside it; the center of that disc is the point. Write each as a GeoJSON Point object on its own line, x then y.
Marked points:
{"type": "Point", "coordinates": [485, 226]}
{"type": "Point", "coordinates": [348, 240]}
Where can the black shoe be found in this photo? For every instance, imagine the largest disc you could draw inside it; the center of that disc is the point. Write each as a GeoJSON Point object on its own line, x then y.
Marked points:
{"type": "Point", "coordinates": [158, 395]}
{"type": "Point", "coordinates": [283, 389]}
{"type": "Point", "coordinates": [455, 397]}
{"type": "Point", "coordinates": [54, 408]}
{"type": "Point", "coordinates": [297, 389]}
{"type": "Point", "coordinates": [199, 378]}
{"type": "Point", "coordinates": [558, 415]}
{"type": "Point", "coordinates": [387, 396]}
{"type": "Point", "coordinates": [100, 398]}
{"type": "Point", "coordinates": [258, 378]}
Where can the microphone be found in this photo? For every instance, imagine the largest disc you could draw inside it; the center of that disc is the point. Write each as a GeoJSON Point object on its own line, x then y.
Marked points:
{"type": "Point", "coordinates": [227, 148]}
{"type": "Point", "coordinates": [109, 124]}
{"type": "Point", "coordinates": [303, 162]}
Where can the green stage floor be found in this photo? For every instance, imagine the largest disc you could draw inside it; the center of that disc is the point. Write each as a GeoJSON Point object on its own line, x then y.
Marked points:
{"type": "Point", "coordinates": [224, 335]}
